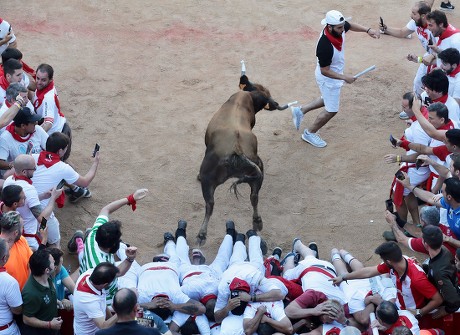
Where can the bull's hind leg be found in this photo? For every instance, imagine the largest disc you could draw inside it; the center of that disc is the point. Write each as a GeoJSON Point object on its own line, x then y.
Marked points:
{"type": "Point", "coordinates": [257, 223]}
{"type": "Point", "coordinates": [208, 195]}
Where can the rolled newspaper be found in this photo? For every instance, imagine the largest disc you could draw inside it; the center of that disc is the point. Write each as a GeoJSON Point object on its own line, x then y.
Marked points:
{"type": "Point", "coordinates": [370, 68]}
{"type": "Point", "coordinates": [243, 68]}
{"type": "Point", "coordinates": [375, 331]}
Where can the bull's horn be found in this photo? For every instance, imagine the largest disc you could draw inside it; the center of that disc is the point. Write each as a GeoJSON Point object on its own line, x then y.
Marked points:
{"type": "Point", "coordinates": [282, 107]}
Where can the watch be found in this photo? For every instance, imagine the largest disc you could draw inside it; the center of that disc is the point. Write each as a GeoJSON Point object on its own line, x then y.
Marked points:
{"type": "Point", "coordinates": [418, 314]}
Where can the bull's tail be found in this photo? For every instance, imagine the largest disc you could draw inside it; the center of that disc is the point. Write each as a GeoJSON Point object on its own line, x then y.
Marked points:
{"type": "Point", "coordinates": [251, 171]}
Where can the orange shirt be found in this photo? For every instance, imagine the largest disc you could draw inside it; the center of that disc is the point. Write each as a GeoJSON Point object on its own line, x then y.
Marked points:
{"type": "Point", "coordinates": [18, 263]}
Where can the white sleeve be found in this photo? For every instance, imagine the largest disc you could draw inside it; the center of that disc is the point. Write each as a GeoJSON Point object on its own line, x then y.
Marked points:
{"type": "Point", "coordinates": [223, 293]}
{"type": "Point", "coordinates": [411, 25]}
{"type": "Point", "coordinates": [251, 310]}
{"type": "Point", "coordinates": [276, 310]}
{"type": "Point", "coordinates": [203, 325]}
{"type": "Point", "coordinates": [69, 174]}
{"type": "Point", "coordinates": [4, 148]}
{"type": "Point", "coordinates": [13, 294]}
{"type": "Point", "coordinates": [49, 107]}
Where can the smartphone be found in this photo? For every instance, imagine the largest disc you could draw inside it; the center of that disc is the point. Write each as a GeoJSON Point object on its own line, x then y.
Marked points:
{"type": "Point", "coordinates": [418, 163]}
{"type": "Point", "coordinates": [30, 146]}
{"type": "Point", "coordinates": [234, 294]}
{"type": "Point", "coordinates": [430, 41]}
{"type": "Point", "coordinates": [389, 205]}
{"type": "Point", "coordinates": [427, 101]}
{"type": "Point", "coordinates": [96, 149]}
{"type": "Point", "coordinates": [61, 184]}
{"type": "Point", "coordinates": [399, 175]}
{"type": "Point", "coordinates": [381, 22]}
{"type": "Point", "coordinates": [43, 223]}
{"type": "Point", "coordinates": [393, 140]}
{"type": "Point", "coordinates": [9, 29]}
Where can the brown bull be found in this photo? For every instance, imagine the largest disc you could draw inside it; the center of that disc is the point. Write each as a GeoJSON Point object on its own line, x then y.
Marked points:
{"type": "Point", "coordinates": [231, 148]}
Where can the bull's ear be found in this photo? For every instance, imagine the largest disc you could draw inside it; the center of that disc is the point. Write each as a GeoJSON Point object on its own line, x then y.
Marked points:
{"type": "Point", "coordinates": [267, 106]}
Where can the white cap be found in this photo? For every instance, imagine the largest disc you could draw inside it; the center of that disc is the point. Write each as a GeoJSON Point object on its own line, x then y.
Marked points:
{"type": "Point", "coordinates": [334, 18]}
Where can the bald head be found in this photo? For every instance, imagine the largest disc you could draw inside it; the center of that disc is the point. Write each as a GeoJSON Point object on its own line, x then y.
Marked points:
{"type": "Point", "coordinates": [124, 302]}
{"type": "Point", "coordinates": [24, 162]}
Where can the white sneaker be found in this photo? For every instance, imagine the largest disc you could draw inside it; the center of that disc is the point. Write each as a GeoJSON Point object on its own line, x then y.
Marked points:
{"type": "Point", "coordinates": [313, 139]}
{"type": "Point", "coordinates": [403, 116]}
{"type": "Point", "coordinates": [297, 116]}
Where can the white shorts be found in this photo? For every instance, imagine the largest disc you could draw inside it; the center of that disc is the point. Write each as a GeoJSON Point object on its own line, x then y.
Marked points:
{"type": "Point", "coordinates": [53, 230]}
{"type": "Point", "coordinates": [330, 95]}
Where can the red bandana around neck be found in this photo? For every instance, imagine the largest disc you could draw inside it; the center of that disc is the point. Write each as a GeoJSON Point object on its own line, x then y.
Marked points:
{"type": "Point", "coordinates": [48, 159]}
{"type": "Point", "coordinates": [447, 33]}
{"type": "Point", "coordinates": [455, 71]}
{"type": "Point", "coordinates": [3, 82]}
{"type": "Point", "coordinates": [18, 138]}
{"type": "Point", "coordinates": [336, 41]}
{"type": "Point", "coordinates": [442, 99]}
{"type": "Point", "coordinates": [40, 94]}
{"type": "Point", "coordinates": [16, 177]}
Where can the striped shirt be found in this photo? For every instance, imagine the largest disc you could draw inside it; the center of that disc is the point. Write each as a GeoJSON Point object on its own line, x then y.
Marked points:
{"type": "Point", "coordinates": [93, 255]}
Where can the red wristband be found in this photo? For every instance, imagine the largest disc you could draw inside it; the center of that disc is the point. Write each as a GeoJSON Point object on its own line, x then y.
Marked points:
{"type": "Point", "coordinates": [131, 201]}
{"type": "Point", "coordinates": [49, 324]}
{"type": "Point", "coordinates": [405, 145]}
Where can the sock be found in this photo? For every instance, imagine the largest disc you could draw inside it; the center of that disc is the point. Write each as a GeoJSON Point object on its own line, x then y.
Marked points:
{"type": "Point", "coordinates": [348, 258]}
{"type": "Point", "coordinates": [80, 244]}
{"type": "Point", "coordinates": [336, 257]}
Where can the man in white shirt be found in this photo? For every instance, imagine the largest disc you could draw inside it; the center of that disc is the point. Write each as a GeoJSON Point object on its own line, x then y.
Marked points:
{"type": "Point", "coordinates": [7, 37]}
{"type": "Point", "coordinates": [450, 61]}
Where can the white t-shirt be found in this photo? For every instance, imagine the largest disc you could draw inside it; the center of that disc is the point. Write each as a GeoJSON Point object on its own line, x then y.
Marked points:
{"type": "Point", "coordinates": [88, 304]}
{"type": "Point", "coordinates": [423, 34]}
{"type": "Point", "coordinates": [30, 222]}
{"type": "Point", "coordinates": [10, 296]}
{"type": "Point", "coordinates": [50, 112]}
{"type": "Point", "coordinates": [452, 41]}
{"type": "Point", "coordinates": [11, 148]}
{"type": "Point", "coordinates": [275, 310]}
{"type": "Point", "coordinates": [45, 179]}
{"type": "Point", "coordinates": [4, 30]}
{"type": "Point", "coordinates": [454, 86]}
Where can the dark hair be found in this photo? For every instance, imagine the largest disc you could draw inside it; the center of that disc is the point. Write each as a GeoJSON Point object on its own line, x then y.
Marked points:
{"type": "Point", "coordinates": [450, 56]}
{"type": "Point", "coordinates": [409, 96]}
{"type": "Point", "coordinates": [11, 194]}
{"type": "Point", "coordinates": [124, 301]}
{"type": "Point", "coordinates": [11, 65]}
{"type": "Point", "coordinates": [189, 327]}
{"type": "Point", "coordinates": [436, 81]}
{"type": "Point", "coordinates": [56, 253]}
{"type": "Point", "coordinates": [401, 330]}
{"type": "Point", "coordinates": [457, 253]}
{"type": "Point", "coordinates": [46, 68]}
{"type": "Point", "coordinates": [39, 262]}
{"type": "Point", "coordinates": [108, 234]}
{"type": "Point", "coordinates": [11, 53]}
{"type": "Point", "coordinates": [438, 17]}
{"type": "Point", "coordinates": [103, 273]}
{"type": "Point", "coordinates": [57, 141]}
{"type": "Point", "coordinates": [423, 7]}
{"type": "Point", "coordinates": [389, 251]}
{"type": "Point", "coordinates": [455, 160]}
{"type": "Point", "coordinates": [163, 313]}
{"type": "Point", "coordinates": [453, 188]}
{"type": "Point", "coordinates": [432, 236]}
{"type": "Point", "coordinates": [453, 136]}
{"type": "Point", "coordinates": [441, 111]}
{"type": "Point", "coordinates": [388, 312]}
{"type": "Point", "coordinates": [10, 221]}
{"type": "Point", "coordinates": [265, 329]}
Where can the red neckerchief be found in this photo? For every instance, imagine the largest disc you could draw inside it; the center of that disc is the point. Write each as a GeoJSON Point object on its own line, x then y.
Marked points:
{"type": "Point", "coordinates": [333, 331]}
{"type": "Point", "coordinates": [455, 72]}
{"type": "Point", "coordinates": [2, 269]}
{"type": "Point", "coordinates": [40, 94]}
{"type": "Point", "coordinates": [442, 99]}
{"type": "Point", "coordinates": [447, 33]}
{"type": "Point", "coordinates": [28, 69]}
{"type": "Point", "coordinates": [48, 159]}
{"type": "Point", "coordinates": [16, 177]}
{"type": "Point", "coordinates": [84, 287]}
{"type": "Point", "coordinates": [3, 82]}
{"type": "Point", "coordinates": [336, 41]}
{"type": "Point", "coordinates": [402, 321]}
{"type": "Point", "coordinates": [424, 111]}
{"type": "Point", "coordinates": [18, 138]}
{"type": "Point", "coordinates": [8, 104]}
{"type": "Point", "coordinates": [447, 126]}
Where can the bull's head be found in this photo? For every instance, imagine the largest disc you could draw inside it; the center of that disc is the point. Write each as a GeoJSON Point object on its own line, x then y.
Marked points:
{"type": "Point", "coordinates": [261, 95]}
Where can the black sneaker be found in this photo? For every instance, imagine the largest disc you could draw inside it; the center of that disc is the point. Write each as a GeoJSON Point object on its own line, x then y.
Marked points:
{"type": "Point", "coordinates": [263, 247]}
{"type": "Point", "coordinates": [389, 236]}
{"type": "Point", "coordinates": [181, 229]}
{"type": "Point", "coordinates": [72, 245]}
{"type": "Point", "coordinates": [277, 252]}
{"type": "Point", "coordinates": [230, 229]}
{"type": "Point", "coordinates": [168, 237]}
{"type": "Point", "coordinates": [447, 6]}
{"type": "Point", "coordinates": [250, 233]}
{"type": "Point", "coordinates": [313, 246]}
{"type": "Point", "coordinates": [78, 193]}
{"type": "Point", "coordinates": [241, 237]}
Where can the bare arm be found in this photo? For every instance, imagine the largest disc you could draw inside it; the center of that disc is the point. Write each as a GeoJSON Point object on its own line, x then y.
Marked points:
{"type": "Point", "coordinates": [327, 72]}
{"type": "Point", "coordinates": [397, 32]}
{"type": "Point", "coordinates": [366, 272]}
{"type": "Point", "coordinates": [16, 310]}
{"type": "Point", "coordinates": [250, 325]}
{"type": "Point", "coordinates": [102, 323]}
{"type": "Point", "coordinates": [418, 192]}
{"type": "Point", "coordinates": [284, 325]}
{"type": "Point", "coordinates": [46, 125]}
{"type": "Point", "coordinates": [84, 181]}
{"type": "Point", "coordinates": [37, 323]}
{"type": "Point", "coordinates": [9, 115]}
{"type": "Point", "coordinates": [429, 129]}
{"type": "Point", "coordinates": [362, 29]}
{"type": "Point", "coordinates": [69, 284]}
{"type": "Point", "coordinates": [435, 302]}
{"type": "Point", "coordinates": [117, 204]}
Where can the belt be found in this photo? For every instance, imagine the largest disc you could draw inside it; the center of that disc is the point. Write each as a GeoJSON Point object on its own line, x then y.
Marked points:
{"type": "Point", "coordinates": [192, 274]}
{"type": "Point", "coordinates": [161, 268]}
{"type": "Point", "coordinates": [32, 235]}
{"type": "Point", "coordinates": [325, 270]}
{"type": "Point", "coordinates": [8, 325]}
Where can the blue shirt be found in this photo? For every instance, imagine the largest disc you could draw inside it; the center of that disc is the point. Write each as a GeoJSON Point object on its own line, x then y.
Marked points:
{"type": "Point", "coordinates": [453, 217]}
{"type": "Point", "coordinates": [60, 288]}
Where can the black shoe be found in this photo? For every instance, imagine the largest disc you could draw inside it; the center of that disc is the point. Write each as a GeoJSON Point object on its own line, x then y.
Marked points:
{"type": "Point", "coordinates": [313, 246]}
{"type": "Point", "coordinates": [277, 252]}
{"type": "Point", "coordinates": [72, 245]}
{"type": "Point", "coordinates": [230, 229]}
{"type": "Point", "coordinates": [181, 229]}
{"type": "Point", "coordinates": [241, 237]}
{"type": "Point", "coordinates": [263, 247]}
{"type": "Point", "coordinates": [447, 6]}
{"type": "Point", "coordinates": [389, 236]}
{"type": "Point", "coordinates": [250, 233]}
{"type": "Point", "coordinates": [78, 193]}
{"type": "Point", "coordinates": [168, 237]}
{"type": "Point", "coordinates": [294, 241]}
{"type": "Point", "coordinates": [296, 258]}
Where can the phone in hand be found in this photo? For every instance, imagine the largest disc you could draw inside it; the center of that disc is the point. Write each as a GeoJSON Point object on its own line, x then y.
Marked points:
{"type": "Point", "coordinates": [96, 149]}
{"type": "Point", "coordinates": [30, 146]}
{"type": "Point", "coordinates": [393, 140]}
{"type": "Point", "coordinates": [430, 41]}
{"type": "Point", "coordinates": [418, 163]}
{"type": "Point", "coordinates": [43, 223]}
{"type": "Point", "coordinates": [399, 175]}
{"type": "Point", "coordinates": [61, 184]}
{"type": "Point", "coordinates": [427, 101]}
{"type": "Point", "coordinates": [389, 205]}
{"type": "Point", "coordinates": [381, 23]}
{"type": "Point", "coordinates": [9, 29]}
